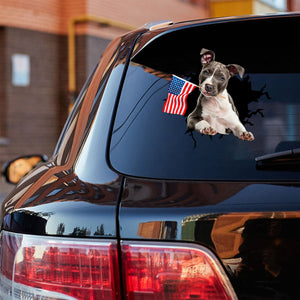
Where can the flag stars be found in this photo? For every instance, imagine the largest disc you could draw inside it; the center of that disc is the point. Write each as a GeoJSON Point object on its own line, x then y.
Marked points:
{"type": "Point", "coordinates": [179, 89]}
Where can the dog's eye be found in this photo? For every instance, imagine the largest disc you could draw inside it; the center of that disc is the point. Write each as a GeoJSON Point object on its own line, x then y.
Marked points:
{"type": "Point", "coordinates": [206, 72]}
{"type": "Point", "coordinates": [222, 78]}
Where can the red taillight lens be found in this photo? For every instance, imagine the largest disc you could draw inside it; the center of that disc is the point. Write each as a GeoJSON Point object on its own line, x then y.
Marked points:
{"type": "Point", "coordinates": [9, 246]}
{"type": "Point", "coordinates": [61, 268]}
{"type": "Point", "coordinates": [33, 267]}
{"type": "Point", "coordinates": [164, 271]}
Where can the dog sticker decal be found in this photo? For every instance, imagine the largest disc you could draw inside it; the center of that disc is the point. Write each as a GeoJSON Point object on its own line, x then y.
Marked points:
{"type": "Point", "coordinates": [215, 111]}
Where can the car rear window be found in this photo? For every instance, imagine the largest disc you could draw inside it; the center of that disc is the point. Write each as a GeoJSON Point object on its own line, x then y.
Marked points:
{"type": "Point", "coordinates": [148, 142]}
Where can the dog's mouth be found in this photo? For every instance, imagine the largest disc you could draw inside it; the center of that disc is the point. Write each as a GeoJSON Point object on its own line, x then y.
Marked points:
{"type": "Point", "coordinates": [207, 94]}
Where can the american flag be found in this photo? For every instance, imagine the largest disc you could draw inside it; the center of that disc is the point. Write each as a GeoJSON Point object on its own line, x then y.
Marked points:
{"type": "Point", "coordinates": [179, 89]}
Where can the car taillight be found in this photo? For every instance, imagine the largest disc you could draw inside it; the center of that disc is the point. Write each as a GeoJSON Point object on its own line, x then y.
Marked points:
{"type": "Point", "coordinates": [173, 271]}
{"type": "Point", "coordinates": [58, 268]}
{"type": "Point", "coordinates": [35, 267]}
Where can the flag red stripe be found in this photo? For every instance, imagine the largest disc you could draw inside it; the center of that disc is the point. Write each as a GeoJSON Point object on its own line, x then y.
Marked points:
{"type": "Point", "coordinates": [167, 104]}
{"type": "Point", "coordinates": [175, 103]}
{"type": "Point", "coordinates": [186, 90]}
{"type": "Point", "coordinates": [181, 104]}
{"type": "Point", "coordinates": [189, 89]}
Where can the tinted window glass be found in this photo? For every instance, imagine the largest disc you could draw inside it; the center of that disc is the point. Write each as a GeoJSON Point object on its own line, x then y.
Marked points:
{"type": "Point", "coordinates": [147, 142]}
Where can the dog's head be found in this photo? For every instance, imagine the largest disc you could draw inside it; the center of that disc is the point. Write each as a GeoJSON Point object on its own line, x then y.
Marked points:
{"type": "Point", "coordinates": [214, 76]}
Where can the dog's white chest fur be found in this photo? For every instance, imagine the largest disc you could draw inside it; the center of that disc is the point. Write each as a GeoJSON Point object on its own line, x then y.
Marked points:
{"type": "Point", "coordinates": [218, 112]}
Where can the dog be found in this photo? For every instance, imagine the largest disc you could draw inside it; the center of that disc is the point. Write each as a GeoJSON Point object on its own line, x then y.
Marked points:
{"type": "Point", "coordinates": [215, 111]}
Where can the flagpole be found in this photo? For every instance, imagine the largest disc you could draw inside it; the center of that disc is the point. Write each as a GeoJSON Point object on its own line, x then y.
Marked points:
{"type": "Point", "coordinates": [187, 81]}
{"type": "Point", "coordinates": [195, 85]}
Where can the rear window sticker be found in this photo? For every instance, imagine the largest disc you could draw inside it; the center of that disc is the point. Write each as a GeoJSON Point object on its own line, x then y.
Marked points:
{"type": "Point", "coordinates": [215, 111]}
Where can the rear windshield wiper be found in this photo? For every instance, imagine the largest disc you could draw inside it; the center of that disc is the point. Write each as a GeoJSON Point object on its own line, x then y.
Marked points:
{"type": "Point", "coordinates": [288, 160]}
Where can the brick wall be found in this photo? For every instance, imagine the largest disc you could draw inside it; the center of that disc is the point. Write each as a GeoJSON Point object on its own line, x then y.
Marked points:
{"type": "Point", "coordinates": [32, 112]}
{"type": "Point", "coordinates": [53, 15]}
{"type": "Point", "coordinates": [137, 12]}
{"type": "Point", "coordinates": [2, 88]}
{"type": "Point", "coordinates": [35, 15]}
{"type": "Point", "coordinates": [295, 5]}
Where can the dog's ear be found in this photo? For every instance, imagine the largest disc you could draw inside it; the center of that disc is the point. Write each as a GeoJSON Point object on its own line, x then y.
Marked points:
{"type": "Point", "coordinates": [236, 69]}
{"type": "Point", "coordinates": [207, 56]}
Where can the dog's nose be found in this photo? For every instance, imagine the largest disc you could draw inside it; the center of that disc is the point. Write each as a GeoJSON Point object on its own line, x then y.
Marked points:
{"type": "Point", "coordinates": [209, 87]}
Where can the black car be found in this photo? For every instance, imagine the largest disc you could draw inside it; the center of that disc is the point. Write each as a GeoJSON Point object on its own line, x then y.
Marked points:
{"type": "Point", "coordinates": [134, 204]}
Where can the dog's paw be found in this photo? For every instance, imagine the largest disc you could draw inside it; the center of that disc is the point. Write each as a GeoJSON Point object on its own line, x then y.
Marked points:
{"type": "Point", "coordinates": [205, 128]}
{"type": "Point", "coordinates": [247, 136]}
{"type": "Point", "coordinates": [209, 131]}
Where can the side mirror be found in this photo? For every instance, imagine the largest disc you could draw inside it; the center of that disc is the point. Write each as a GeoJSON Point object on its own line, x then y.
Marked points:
{"type": "Point", "coordinates": [14, 170]}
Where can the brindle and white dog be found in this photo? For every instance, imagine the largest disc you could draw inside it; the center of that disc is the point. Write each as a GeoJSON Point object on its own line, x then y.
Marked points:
{"type": "Point", "coordinates": [215, 111]}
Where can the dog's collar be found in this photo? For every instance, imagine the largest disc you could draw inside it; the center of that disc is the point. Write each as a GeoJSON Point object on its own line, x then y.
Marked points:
{"type": "Point", "coordinates": [221, 96]}
{"type": "Point", "coordinates": [218, 96]}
